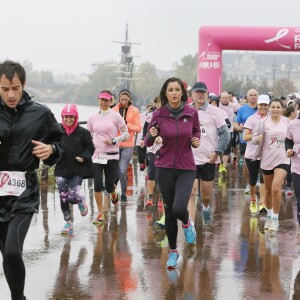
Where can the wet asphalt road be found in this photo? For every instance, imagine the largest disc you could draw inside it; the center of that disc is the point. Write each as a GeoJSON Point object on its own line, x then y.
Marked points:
{"type": "Point", "coordinates": [126, 257]}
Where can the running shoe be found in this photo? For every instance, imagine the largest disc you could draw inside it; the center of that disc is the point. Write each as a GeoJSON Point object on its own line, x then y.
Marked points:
{"type": "Point", "coordinates": [253, 207]}
{"type": "Point", "coordinates": [99, 220]}
{"type": "Point", "coordinates": [190, 233]}
{"type": "Point", "coordinates": [220, 168]}
{"type": "Point", "coordinates": [274, 225]}
{"type": "Point", "coordinates": [288, 191]}
{"type": "Point", "coordinates": [114, 197]}
{"type": "Point", "coordinates": [207, 217]}
{"type": "Point", "coordinates": [68, 229]}
{"type": "Point", "coordinates": [172, 262]}
{"type": "Point", "coordinates": [123, 198]}
{"type": "Point", "coordinates": [268, 223]}
{"type": "Point", "coordinates": [161, 223]}
{"type": "Point", "coordinates": [263, 209]}
{"type": "Point", "coordinates": [83, 208]}
{"type": "Point", "coordinates": [224, 171]}
{"type": "Point", "coordinates": [149, 201]}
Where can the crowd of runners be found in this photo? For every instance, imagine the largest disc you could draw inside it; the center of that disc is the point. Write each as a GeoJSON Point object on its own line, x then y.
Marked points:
{"type": "Point", "coordinates": [185, 139]}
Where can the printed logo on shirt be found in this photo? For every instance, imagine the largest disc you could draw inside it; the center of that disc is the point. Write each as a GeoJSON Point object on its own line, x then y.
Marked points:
{"type": "Point", "coordinates": [276, 142]}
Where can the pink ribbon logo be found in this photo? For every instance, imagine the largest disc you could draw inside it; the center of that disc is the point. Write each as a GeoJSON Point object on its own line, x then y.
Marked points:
{"type": "Point", "coordinates": [280, 34]}
{"type": "Point", "coordinates": [4, 179]}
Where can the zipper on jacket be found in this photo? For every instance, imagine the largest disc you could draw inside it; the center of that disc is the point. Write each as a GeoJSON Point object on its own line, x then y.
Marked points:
{"type": "Point", "coordinates": [176, 142]}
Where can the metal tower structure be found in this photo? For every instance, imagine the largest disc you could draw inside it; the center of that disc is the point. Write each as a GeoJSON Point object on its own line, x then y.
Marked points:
{"type": "Point", "coordinates": [126, 66]}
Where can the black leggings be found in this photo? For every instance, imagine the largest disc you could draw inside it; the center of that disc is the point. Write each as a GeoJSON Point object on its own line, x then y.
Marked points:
{"type": "Point", "coordinates": [110, 172]}
{"type": "Point", "coordinates": [253, 167]}
{"type": "Point", "coordinates": [175, 187]}
{"type": "Point", "coordinates": [12, 236]}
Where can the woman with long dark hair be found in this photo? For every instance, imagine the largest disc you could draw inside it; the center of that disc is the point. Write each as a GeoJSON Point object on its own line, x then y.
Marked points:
{"type": "Point", "coordinates": [176, 127]}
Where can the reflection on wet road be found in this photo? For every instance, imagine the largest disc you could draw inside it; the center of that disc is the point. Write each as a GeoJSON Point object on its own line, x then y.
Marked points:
{"type": "Point", "coordinates": [126, 257]}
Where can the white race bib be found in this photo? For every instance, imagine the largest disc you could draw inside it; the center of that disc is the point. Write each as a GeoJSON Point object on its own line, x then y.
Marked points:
{"type": "Point", "coordinates": [203, 129]}
{"type": "Point", "coordinates": [100, 159]}
{"type": "Point", "coordinates": [12, 183]}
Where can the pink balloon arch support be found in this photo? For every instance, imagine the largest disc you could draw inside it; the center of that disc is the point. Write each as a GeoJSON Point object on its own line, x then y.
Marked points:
{"type": "Point", "coordinates": [214, 39]}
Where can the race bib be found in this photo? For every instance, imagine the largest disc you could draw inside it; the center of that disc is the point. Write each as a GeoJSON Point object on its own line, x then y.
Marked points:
{"type": "Point", "coordinates": [12, 183]}
{"type": "Point", "coordinates": [203, 129]}
{"type": "Point", "coordinates": [100, 159]}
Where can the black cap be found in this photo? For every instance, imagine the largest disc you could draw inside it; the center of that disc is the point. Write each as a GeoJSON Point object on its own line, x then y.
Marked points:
{"type": "Point", "coordinates": [199, 86]}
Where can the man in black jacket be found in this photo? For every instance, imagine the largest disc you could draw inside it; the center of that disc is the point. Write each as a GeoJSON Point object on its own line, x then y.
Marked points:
{"type": "Point", "coordinates": [29, 133]}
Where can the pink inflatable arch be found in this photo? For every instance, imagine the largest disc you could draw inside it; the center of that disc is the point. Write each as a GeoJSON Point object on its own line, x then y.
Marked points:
{"type": "Point", "coordinates": [214, 39]}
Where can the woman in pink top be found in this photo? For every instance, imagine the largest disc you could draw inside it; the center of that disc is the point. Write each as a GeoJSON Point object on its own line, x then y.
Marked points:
{"type": "Point", "coordinates": [274, 162]}
{"type": "Point", "coordinates": [292, 145]}
{"type": "Point", "coordinates": [253, 165]}
{"type": "Point", "coordinates": [104, 127]}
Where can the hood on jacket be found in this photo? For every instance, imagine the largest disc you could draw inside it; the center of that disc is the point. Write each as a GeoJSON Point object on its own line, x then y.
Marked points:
{"type": "Point", "coordinates": [69, 110]}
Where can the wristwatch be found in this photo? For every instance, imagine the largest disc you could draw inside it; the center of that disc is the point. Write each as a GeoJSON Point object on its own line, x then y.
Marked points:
{"type": "Point", "coordinates": [113, 141]}
{"type": "Point", "coordinates": [218, 152]}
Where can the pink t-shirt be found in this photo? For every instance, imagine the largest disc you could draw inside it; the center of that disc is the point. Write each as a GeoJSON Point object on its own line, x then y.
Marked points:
{"type": "Point", "coordinates": [273, 153]}
{"type": "Point", "coordinates": [250, 124]}
{"type": "Point", "coordinates": [224, 114]}
{"type": "Point", "coordinates": [104, 126]}
{"type": "Point", "coordinates": [236, 104]}
{"type": "Point", "coordinates": [230, 109]}
{"type": "Point", "coordinates": [293, 133]}
{"type": "Point", "coordinates": [210, 120]}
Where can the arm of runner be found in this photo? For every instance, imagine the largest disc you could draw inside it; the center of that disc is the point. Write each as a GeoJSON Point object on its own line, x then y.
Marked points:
{"type": "Point", "coordinates": [247, 135]}
{"type": "Point", "coordinates": [224, 138]}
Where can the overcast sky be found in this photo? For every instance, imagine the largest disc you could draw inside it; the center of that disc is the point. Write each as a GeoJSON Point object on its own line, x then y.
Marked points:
{"type": "Point", "coordinates": [71, 35]}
